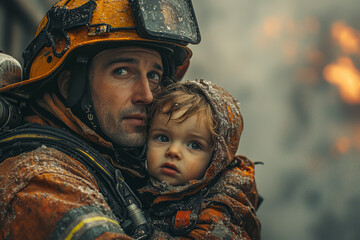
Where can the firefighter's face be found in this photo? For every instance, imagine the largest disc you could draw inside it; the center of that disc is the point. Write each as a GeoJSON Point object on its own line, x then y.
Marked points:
{"type": "Point", "coordinates": [122, 81]}
{"type": "Point", "coordinates": [178, 151]}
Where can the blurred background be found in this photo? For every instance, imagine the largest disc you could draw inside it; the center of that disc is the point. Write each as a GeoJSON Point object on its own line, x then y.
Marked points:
{"type": "Point", "coordinates": [294, 66]}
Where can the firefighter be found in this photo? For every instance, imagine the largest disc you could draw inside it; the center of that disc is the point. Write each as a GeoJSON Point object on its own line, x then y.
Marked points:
{"type": "Point", "coordinates": [88, 75]}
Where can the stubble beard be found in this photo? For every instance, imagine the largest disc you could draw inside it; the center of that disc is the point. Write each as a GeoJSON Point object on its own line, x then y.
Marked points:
{"type": "Point", "coordinates": [124, 136]}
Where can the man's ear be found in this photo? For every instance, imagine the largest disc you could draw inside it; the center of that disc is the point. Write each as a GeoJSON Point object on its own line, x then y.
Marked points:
{"type": "Point", "coordinates": [63, 80]}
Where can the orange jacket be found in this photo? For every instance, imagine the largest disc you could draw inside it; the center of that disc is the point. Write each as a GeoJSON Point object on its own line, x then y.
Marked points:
{"type": "Point", "coordinates": [47, 193]}
{"type": "Point", "coordinates": [222, 204]}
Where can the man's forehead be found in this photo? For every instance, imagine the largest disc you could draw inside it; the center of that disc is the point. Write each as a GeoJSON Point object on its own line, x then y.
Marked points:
{"type": "Point", "coordinates": [129, 50]}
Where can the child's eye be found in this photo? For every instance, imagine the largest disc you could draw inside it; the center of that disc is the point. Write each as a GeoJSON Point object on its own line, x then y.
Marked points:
{"type": "Point", "coordinates": [194, 146]}
{"type": "Point", "coordinates": [162, 138]}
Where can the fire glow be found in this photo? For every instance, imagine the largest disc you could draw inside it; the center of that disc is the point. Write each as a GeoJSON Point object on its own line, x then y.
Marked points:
{"type": "Point", "coordinates": [343, 73]}
{"type": "Point", "coordinates": [347, 37]}
{"type": "Point", "coordinates": [346, 76]}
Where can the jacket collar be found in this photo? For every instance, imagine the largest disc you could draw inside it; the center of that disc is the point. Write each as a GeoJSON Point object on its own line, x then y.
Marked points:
{"type": "Point", "coordinates": [50, 110]}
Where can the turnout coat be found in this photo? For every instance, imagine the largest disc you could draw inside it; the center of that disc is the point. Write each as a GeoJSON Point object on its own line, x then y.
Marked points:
{"type": "Point", "coordinates": [48, 194]}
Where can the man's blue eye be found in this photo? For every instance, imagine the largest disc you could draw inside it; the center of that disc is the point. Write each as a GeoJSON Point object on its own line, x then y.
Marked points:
{"type": "Point", "coordinates": [194, 146]}
{"type": "Point", "coordinates": [162, 138]}
{"type": "Point", "coordinates": [154, 76]}
{"type": "Point", "coordinates": [121, 71]}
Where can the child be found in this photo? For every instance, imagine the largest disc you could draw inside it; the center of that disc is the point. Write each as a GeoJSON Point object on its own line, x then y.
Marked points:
{"type": "Point", "coordinates": [199, 188]}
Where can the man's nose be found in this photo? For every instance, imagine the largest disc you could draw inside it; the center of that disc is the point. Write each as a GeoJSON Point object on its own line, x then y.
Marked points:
{"type": "Point", "coordinates": [173, 152]}
{"type": "Point", "coordinates": [142, 91]}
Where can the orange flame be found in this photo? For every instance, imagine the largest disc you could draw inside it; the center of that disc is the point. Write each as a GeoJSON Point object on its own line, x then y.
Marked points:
{"type": "Point", "coordinates": [347, 37]}
{"type": "Point", "coordinates": [345, 75]}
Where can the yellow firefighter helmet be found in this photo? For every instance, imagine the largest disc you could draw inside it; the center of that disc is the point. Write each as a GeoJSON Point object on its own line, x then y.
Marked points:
{"type": "Point", "coordinates": [74, 24]}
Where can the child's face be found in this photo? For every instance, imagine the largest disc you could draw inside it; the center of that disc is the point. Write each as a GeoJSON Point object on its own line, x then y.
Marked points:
{"type": "Point", "coordinates": [178, 151]}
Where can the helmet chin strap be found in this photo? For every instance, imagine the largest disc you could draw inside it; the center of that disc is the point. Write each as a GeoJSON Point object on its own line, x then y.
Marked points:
{"type": "Point", "coordinates": [79, 94]}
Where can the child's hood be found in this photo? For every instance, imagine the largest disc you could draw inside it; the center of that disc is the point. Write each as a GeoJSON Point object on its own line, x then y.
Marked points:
{"type": "Point", "coordinates": [229, 127]}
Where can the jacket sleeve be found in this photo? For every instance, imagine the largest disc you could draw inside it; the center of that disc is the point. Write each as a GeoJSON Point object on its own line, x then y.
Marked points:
{"type": "Point", "coordinates": [46, 194]}
{"type": "Point", "coordinates": [228, 210]}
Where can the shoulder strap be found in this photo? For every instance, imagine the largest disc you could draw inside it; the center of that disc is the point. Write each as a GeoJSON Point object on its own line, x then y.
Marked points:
{"type": "Point", "coordinates": [123, 202]}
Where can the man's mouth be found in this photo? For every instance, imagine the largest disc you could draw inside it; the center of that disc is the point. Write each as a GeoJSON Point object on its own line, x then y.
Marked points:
{"type": "Point", "coordinates": [136, 119]}
{"type": "Point", "coordinates": [169, 169]}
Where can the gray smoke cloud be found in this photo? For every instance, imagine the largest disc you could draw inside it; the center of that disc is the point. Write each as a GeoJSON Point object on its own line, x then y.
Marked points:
{"type": "Point", "coordinates": [270, 55]}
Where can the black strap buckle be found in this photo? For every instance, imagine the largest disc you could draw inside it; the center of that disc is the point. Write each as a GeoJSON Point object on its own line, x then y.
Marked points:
{"type": "Point", "coordinates": [99, 29]}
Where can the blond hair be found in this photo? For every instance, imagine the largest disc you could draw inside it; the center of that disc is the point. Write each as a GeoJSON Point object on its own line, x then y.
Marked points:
{"type": "Point", "coordinates": [177, 97]}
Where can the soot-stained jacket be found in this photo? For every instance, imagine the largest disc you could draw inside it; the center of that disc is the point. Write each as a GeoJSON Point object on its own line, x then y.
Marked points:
{"type": "Point", "coordinates": [222, 204]}
{"type": "Point", "coordinates": [47, 194]}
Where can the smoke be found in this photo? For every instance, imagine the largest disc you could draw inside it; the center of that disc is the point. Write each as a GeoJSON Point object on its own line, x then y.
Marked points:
{"type": "Point", "coordinates": [271, 55]}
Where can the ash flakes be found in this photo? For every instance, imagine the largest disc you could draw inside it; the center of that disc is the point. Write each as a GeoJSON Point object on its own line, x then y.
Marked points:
{"type": "Point", "coordinates": [162, 235]}
{"type": "Point", "coordinates": [223, 232]}
{"type": "Point", "coordinates": [50, 171]}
